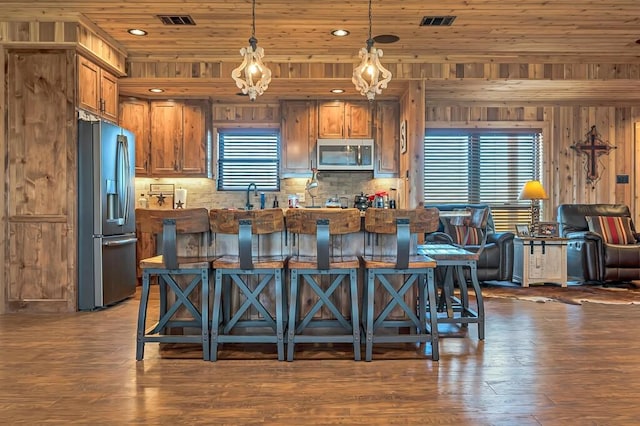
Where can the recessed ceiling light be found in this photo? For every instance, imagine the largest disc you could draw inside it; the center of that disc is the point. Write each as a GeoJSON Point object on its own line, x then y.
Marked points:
{"type": "Point", "coordinates": [340, 33]}
{"type": "Point", "coordinates": [337, 90]}
{"type": "Point", "coordinates": [156, 90]}
{"type": "Point", "coordinates": [137, 32]}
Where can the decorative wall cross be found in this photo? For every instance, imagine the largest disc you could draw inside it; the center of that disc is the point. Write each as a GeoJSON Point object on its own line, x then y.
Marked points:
{"type": "Point", "coordinates": [593, 147]}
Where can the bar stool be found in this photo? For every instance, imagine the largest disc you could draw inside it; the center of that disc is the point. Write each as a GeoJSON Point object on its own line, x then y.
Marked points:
{"type": "Point", "coordinates": [333, 258]}
{"type": "Point", "coordinates": [465, 238]}
{"type": "Point", "coordinates": [183, 274]}
{"type": "Point", "coordinates": [248, 301]}
{"type": "Point", "coordinates": [391, 269]}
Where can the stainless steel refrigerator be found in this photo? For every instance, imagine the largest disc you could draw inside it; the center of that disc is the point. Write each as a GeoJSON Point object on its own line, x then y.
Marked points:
{"type": "Point", "coordinates": [106, 215]}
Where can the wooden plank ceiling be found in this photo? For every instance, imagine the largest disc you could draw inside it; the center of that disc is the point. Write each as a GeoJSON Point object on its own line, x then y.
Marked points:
{"type": "Point", "coordinates": [295, 31]}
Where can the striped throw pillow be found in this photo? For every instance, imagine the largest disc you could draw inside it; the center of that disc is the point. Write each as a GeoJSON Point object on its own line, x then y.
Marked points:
{"type": "Point", "coordinates": [467, 235]}
{"type": "Point", "coordinates": [613, 229]}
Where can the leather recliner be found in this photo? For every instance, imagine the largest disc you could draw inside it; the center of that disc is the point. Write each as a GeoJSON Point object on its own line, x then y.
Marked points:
{"type": "Point", "coordinates": [589, 257]}
{"type": "Point", "coordinates": [496, 259]}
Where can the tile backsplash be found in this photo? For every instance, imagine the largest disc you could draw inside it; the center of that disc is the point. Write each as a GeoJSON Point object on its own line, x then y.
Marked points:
{"type": "Point", "coordinates": [201, 192]}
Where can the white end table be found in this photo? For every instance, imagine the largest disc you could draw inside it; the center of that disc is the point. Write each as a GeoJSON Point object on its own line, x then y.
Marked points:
{"type": "Point", "coordinates": [540, 260]}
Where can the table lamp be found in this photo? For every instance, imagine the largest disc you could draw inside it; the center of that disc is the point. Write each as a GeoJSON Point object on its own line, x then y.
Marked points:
{"type": "Point", "coordinates": [534, 191]}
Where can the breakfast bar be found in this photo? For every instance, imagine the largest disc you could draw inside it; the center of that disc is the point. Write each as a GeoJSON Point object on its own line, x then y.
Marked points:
{"type": "Point", "coordinates": [386, 276]}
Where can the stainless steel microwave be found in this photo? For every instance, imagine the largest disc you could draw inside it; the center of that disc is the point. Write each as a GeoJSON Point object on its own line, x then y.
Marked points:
{"type": "Point", "coordinates": [345, 154]}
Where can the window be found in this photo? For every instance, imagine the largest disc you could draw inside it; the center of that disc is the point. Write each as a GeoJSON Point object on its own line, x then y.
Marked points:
{"type": "Point", "coordinates": [482, 166]}
{"type": "Point", "coordinates": [246, 156]}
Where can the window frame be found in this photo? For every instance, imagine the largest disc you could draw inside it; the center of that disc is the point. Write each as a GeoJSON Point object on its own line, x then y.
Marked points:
{"type": "Point", "coordinates": [505, 215]}
{"type": "Point", "coordinates": [248, 131]}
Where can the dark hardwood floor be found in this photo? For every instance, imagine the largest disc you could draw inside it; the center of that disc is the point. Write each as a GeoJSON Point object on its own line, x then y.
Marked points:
{"type": "Point", "coordinates": [541, 364]}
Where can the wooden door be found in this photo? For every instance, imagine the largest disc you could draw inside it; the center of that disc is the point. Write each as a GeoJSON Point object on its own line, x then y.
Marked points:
{"type": "Point", "coordinates": [357, 120]}
{"type": "Point", "coordinates": [298, 137]}
{"type": "Point", "coordinates": [166, 137]}
{"type": "Point", "coordinates": [194, 140]}
{"type": "Point", "coordinates": [387, 139]}
{"type": "Point", "coordinates": [88, 85]}
{"type": "Point", "coordinates": [331, 120]}
{"type": "Point", "coordinates": [134, 116]}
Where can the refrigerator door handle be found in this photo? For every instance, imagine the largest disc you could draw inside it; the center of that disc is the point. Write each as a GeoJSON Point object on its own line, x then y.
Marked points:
{"type": "Point", "coordinates": [119, 242]}
{"type": "Point", "coordinates": [124, 177]}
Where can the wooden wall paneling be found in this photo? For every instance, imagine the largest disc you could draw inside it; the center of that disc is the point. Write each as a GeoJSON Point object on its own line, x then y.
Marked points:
{"type": "Point", "coordinates": [625, 157]}
{"type": "Point", "coordinates": [412, 107]}
{"type": "Point", "coordinates": [103, 49]}
{"type": "Point", "coordinates": [3, 184]}
{"type": "Point", "coordinates": [42, 181]}
{"type": "Point", "coordinates": [635, 180]}
{"type": "Point", "coordinates": [246, 113]}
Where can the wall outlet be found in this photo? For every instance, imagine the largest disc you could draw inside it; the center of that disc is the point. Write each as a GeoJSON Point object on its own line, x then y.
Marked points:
{"type": "Point", "coordinates": [301, 197]}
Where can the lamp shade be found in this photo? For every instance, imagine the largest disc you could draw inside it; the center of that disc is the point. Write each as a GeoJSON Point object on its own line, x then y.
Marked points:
{"type": "Point", "coordinates": [532, 190]}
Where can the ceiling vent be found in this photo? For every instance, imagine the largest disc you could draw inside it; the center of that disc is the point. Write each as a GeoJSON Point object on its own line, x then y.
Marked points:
{"type": "Point", "coordinates": [176, 19]}
{"type": "Point", "coordinates": [437, 21]}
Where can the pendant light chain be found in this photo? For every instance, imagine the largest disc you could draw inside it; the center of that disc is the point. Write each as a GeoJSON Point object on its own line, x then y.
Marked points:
{"type": "Point", "coordinates": [370, 19]}
{"type": "Point", "coordinates": [253, 24]}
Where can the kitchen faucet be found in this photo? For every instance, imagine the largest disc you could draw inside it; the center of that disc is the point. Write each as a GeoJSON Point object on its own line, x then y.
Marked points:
{"type": "Point", "coordinates": [248, 205]}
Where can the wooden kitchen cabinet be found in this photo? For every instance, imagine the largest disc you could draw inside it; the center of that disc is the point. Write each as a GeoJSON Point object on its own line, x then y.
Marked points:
{"type": "Point", "coordinates": [97, 90]}
{"type": "Point", "coordinates": [338, 120]}
{"type": "Point", "coordinates": [298, 138]}
{"type": "Point", "coordinates": [134, 116]}
{"type": "Point", "coordinates": [178, 138]}
{"type": "Point", "coordinates": [387, 138]}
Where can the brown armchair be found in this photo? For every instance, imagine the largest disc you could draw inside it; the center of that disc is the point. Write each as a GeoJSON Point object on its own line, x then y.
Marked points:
{"type": "Point", "coordinates": [603, 244]}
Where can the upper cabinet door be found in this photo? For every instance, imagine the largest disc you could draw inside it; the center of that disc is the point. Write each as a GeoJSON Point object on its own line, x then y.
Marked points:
{"type": "Point", "coordinates": [298, 137]}
{"type": "Point", "coordinates": [344, 120]}
{"type": "Point", "coordinates": [166, 135]}
{"type": "Point", "coordinates": [358, 120]}
{"type": "Point", "coordinates": [331, 120]}
{"type": "Point", "coordinates": [109, 95]}
{"type": "Point", "coordinates": [194, 139]}
{"type": "Point", "coordinates": [88, 85]}
{"type": "Point", "coordinates": [134, 116]}
{"type": "Point", "coordinates": [387, 139]}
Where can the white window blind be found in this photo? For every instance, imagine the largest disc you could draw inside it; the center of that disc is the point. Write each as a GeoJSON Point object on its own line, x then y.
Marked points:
{"type": "Point", "coordinates": [476, 166]}
{"type": "Point", "coordinates": [246, 156]}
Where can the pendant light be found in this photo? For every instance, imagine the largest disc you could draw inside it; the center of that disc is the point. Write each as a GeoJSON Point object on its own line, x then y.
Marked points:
{"type": "Point", "coordinates": [252, 76]}
{"type": "Point", "coordinates": [370, 77]}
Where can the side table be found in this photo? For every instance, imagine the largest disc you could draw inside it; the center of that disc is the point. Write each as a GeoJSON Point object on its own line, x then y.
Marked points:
{"type": "Point", "coordinates": [540, 260]}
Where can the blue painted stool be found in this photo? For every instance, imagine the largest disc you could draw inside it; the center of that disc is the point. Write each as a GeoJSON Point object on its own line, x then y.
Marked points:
{"type": "Point", "coordinates": [333, 261]}
{"type": "Point", "coordinates": [391, 270]}
{"type": "Point", "coordinates": [248, 300]}
{"type": "Point", "coordinates": [183, 278]}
